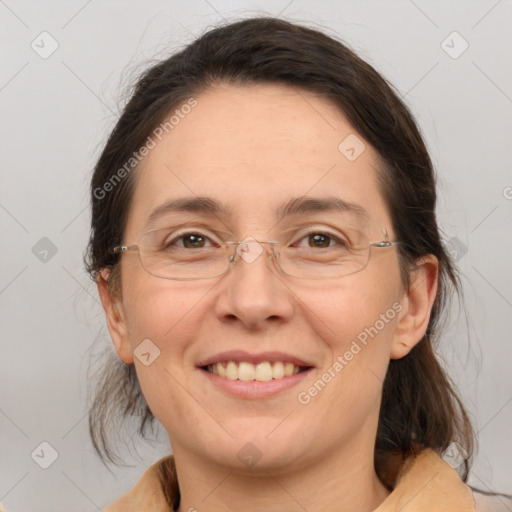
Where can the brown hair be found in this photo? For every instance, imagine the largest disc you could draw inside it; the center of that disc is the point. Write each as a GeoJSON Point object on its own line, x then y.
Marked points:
{"type": "Point", "coordinates": [420, 407]}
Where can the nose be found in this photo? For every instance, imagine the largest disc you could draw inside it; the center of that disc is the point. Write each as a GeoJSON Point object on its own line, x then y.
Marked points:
{"type": "Point", "coordinates": [253, 291]}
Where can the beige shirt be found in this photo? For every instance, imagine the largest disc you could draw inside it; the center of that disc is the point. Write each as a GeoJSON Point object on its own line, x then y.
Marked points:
{"type": "Point", "coordinates": [425, 484]}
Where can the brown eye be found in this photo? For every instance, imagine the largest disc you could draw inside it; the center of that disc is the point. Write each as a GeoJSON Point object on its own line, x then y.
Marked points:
{"type": "Point", "coordinates": [193, 240]}
{"type": "Point", "coordinates": [319, 240]}
{"type": "Point", "coordinates": [187, 241]}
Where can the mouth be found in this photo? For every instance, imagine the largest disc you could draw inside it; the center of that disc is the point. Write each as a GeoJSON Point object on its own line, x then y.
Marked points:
{"type": "Point", "coordinates": [240, 374]}
{"type": "Point", "coordinates": [246, 371]}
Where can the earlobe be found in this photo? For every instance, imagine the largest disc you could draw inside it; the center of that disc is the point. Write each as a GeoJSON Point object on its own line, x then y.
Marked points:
{"type": "Point", "coordinates": [115, 318]}
{"type": "Point", "coordinates": [417, 307]}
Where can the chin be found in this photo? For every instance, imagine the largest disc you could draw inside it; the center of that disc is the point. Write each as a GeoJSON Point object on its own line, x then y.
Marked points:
{"type": "Point", "coordinates": [260, 447]}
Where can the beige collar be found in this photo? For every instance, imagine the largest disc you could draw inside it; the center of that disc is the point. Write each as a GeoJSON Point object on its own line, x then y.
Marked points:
{"type": "Point", "coordinates": [425, 484]}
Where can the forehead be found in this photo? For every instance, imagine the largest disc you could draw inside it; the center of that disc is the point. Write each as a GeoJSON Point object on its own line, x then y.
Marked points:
{"type": "Point", "coordinates": [254, 148]}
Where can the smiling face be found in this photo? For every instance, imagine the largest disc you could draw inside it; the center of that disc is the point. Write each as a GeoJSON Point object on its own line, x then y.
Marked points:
{"type": "Point", "coordinates": [252, 150]}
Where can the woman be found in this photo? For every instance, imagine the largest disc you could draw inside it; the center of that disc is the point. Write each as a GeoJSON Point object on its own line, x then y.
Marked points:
{"type": "Point", "coordinates": [266, 250]}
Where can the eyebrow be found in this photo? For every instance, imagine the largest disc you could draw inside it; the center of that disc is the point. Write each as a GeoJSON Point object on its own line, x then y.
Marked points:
{"type": "Point", "coordinates": [302, 205]}
{"type": "Point", "coordinates": [294, 207]}
{"type": "Point", "coordinates": [204, 205]}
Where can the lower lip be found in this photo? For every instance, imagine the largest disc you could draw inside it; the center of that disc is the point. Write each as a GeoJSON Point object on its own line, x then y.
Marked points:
{"type": "Point", "coordinates": [254, 389]}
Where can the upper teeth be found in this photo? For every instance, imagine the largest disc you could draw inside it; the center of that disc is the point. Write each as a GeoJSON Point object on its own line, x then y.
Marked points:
{"type": "Point", "coordinates": [262, 372]}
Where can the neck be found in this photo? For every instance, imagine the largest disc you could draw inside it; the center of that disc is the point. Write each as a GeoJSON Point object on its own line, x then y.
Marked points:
{"type": "Point", "coordinates": [339, 480]}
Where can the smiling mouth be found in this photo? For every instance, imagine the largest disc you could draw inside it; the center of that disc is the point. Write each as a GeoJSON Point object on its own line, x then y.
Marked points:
{"type": "Point", "coordinates": [261, 372]}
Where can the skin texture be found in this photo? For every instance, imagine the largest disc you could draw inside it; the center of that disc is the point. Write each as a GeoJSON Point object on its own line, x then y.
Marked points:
{"type": "Point", "coordinates": [253, 148]}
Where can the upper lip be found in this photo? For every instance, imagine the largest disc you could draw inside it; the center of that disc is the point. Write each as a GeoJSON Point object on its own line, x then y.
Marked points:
{"type": "Point", "coordinates": [241, 355]}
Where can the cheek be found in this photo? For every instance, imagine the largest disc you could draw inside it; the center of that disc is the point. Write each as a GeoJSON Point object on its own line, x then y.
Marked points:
{"type": "Point", "coordinates": [360, 307]}
{"type": "Point", "coordinates": [161, 317]}
{"type": "Point", "coordinates": [168, 314]}
{"type": "Point", "coordinates": [356, 321]}
{"type": "Point", "coordinates": [158, 309]}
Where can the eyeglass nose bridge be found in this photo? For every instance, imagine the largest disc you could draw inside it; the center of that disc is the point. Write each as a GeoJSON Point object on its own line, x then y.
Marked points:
{"type": "Point", "coordinates": [250, 249]}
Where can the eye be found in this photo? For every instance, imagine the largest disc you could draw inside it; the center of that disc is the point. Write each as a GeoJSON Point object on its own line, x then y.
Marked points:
{"type": "Point", "coordinates": [323, 240]}
{"type": "Point", "coordinates": [191, 240]}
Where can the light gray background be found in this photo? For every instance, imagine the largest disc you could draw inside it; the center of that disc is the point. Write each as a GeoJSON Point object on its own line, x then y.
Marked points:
{"type": "Point", "coordinates": [56, 114]}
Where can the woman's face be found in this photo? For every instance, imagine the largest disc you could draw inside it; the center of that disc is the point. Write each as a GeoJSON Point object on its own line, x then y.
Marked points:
{"type": "Point", "coordinates": [253, 150]}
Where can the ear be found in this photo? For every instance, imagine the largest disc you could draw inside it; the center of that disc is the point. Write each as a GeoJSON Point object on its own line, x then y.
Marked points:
{"type": "Point", "coordinates": [417, 305]}
{"type": "Point", "coordinates": [116, 321]}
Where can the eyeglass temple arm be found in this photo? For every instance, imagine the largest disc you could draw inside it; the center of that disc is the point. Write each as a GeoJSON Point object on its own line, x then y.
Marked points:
{"type": "Point", "coordinates": [384, 243]}
{"type": "Point", "coordinates": [123, 248]}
